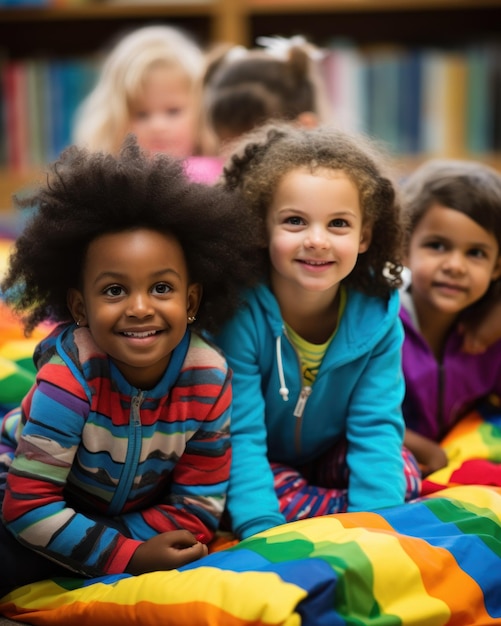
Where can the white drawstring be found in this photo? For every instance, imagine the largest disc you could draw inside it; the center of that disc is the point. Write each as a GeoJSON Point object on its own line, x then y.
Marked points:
{"type": "Point", "coordinates": [283, 391]}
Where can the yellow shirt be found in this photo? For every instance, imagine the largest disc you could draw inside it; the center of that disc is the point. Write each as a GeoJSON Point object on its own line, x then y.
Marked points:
{"type": "Point", "coordinates": [311, 354]}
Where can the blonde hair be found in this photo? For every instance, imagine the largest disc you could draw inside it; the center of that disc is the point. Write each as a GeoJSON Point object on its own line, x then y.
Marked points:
{"type": "Point", "coordinates": [102, 119]}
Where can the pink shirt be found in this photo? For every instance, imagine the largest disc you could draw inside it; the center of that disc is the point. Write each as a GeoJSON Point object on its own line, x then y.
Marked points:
{"type": "Point", "coordinates": [204, 169]}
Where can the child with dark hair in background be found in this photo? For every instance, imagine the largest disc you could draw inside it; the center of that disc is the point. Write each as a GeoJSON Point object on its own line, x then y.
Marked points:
{"type": "Point", "coordinates": [317, 425]}
{"type": "Point", "coordinates": [244, 88]}
{"type": "Point", "coordinates": [123, 442]}
{"type": "Point", "coordinates": [452, 210]}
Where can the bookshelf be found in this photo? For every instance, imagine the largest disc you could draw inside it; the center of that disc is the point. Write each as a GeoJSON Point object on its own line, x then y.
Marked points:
{"type": "Point", "coordinates": [82, 29]}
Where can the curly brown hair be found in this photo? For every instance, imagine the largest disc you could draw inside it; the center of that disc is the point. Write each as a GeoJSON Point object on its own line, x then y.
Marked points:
{"type": "Point", "coordinates": [267, 154]}
{"type": "Point", "coordinates": [89, 194]}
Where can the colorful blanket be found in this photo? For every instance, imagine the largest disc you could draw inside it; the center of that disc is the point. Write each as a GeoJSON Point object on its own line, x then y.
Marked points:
{"type": "Point", "coordinates": [473, 449]}
{"type": "Point", "coordinates": [17, 370]}
{"type": "Point", "coordinates": [432, 562]}
{"type": "Point", "coordinates": [436, 561]}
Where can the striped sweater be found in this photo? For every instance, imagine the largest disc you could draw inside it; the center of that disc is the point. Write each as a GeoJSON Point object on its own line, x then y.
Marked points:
{"type": "Point", "coordinates": [92, 447]}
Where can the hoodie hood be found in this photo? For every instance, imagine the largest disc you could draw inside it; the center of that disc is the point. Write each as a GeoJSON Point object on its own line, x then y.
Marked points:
{"type": "Point", "coordinates": [365, 325]}
{"type": "Point", "coordinates": [367, 322]}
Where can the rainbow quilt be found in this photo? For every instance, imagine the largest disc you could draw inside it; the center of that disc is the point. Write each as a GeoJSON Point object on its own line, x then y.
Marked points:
{"type": "Point", "coordinates": [434, 561]}
{"type": "Point", "coordinates": [473, 449]}
{"type": "Point", "coordinates": [17, 371]}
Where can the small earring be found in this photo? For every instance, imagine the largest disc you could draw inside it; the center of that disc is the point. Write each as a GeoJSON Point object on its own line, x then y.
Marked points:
{"type": "Point", "coordinates": [191, 319]}
{"type": "Point", "coordinates": [77, 322]}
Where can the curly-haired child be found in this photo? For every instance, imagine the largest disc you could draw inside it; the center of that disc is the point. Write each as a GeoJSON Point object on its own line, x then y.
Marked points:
{"type": "Point", "coordinates": [124, 442]}
{"type": "Point", "coordinates": [317, 426]}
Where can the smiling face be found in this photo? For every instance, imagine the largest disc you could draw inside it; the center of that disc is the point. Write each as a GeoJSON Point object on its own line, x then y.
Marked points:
{"type": "Point", "coordinates": [453, 261]}
{"type": "Point", "coordinates": [316, 233]}
{"type": "Point", "coordinates": [136, 299]}
{"type": "Point", "coordinates": [163, 117]}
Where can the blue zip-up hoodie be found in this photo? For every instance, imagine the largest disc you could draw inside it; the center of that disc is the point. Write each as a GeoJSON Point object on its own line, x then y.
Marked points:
{"type": "Point", "coordinates": [358, 391]}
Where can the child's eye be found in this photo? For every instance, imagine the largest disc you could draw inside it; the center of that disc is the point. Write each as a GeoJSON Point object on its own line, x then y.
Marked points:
{"type": "Point", "coordinates": [294, 220]}
{"type": "Point", "coordinates": [174, 111]}
{"type": "Point", "coordinates": [477, 253]}
{"type": "Point", "coordinates": [339, 223]}
{"type": "Point", "coordinates": [161, 288]}
{"type": "Point", "coordinates": [114, 291]}
{"type": "Point", "coordinates": [435, 245]}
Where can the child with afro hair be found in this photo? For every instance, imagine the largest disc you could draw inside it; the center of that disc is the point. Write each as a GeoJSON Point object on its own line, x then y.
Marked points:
{"type": "Point", "coordinates": [123, 443]}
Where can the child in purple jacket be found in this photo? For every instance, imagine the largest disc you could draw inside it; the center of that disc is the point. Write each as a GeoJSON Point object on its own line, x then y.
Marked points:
{"type": "Point", "coordinates": [452, 210]}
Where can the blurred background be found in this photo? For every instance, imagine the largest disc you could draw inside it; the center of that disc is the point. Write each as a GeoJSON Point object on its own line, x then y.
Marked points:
{"type": "Point", "coordinates": [424, 76]}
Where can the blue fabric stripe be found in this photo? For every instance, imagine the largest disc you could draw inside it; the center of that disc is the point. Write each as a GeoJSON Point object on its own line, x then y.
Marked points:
{"type": "Point", "coordinates": [473, 554]}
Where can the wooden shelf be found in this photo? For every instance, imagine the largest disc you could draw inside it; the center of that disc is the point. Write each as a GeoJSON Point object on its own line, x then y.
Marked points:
{"type": "Point", "coordinates": [85, 29]}
{"type": "Point", "coordinates": [337, 6]}
{"type": "Point", "coordinates": [226, 20]}
{"type": "Point", "coordinates": [237, 21]}
{"type": "Point", "coordinates": [216, 9]}
{"type": "Point", "coordinates": [107, 11]}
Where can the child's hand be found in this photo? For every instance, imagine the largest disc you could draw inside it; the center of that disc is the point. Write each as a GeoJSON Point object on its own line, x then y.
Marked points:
{"type": "Point", "coordinates": [430, 456]}
{"type": "Point", "coordinates": [482, 333]}
{"type": "Point", "coordinates": [166, 551]}
{"type": "Point", "coordinates": [433, 460]}
{"type": "Point", "coordinates": [477, 340]}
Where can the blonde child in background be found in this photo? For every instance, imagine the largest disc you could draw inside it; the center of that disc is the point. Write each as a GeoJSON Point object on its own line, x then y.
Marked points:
{"type": "Point", "coordinates": [317, 425]}
{"type": "Point", "coordinates": [452, 210]}
{"type": "Point", "coordinates": [149, 86]}
{"type": "Point", "coordinates": [244, 88]}
{"type": "Point", "coordinates": [124, 444]}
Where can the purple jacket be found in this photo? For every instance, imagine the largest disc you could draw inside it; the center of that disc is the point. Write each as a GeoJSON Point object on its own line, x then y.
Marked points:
{"type": "Point", "coordinates": [439, 394]}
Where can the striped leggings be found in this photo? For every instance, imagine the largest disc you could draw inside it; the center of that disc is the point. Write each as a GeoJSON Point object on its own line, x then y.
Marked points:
{"type": "Point", "coordinates": [301, 496]}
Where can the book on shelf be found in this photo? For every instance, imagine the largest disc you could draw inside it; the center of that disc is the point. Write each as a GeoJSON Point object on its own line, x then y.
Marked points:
{"type": "Point", "coordinates": [431, 101]}
{"type": "Point", "coordinates": [3, 125]}
{"type": "Point", "coordinates": [78, 77]}
{"type": "Point", "coordinates": [428, 101]}
{"type": "Point", "coordinates": [37, 110]}
{"type": "Point", "coordinates": [40, 98]}
{"type": "Point", "coordinates": [15, 89]}
{"type": "Point", "coordinates": [495, 92]}
{"type": "Point", "coordinates": [480, 111]}
{"type": "Point", "coordinates": [171, 2]}
{"type": "Point", "coordinates": [383, 95]}
{"type": "Point", "coordinates": [56, 109]}
{"type": "Point", "coordinates": [28, 4]}
{"type": "Point", "coordinates": [342, 69]}
{"type": "Point", "coordinates": [455, 115]}
{"type": "Point", "coordinates": [410, 96]}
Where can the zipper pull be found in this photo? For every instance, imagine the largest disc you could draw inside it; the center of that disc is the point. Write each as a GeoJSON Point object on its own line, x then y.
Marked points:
{"type": "Point", "coordinates": [136, 405]}
{"type": "Point", "coordinates": [301, 401]}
